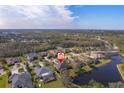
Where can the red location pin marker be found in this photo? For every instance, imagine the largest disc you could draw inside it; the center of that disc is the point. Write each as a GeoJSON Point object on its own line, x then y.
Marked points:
{"type": "Point", "coordinates": [60, 56]}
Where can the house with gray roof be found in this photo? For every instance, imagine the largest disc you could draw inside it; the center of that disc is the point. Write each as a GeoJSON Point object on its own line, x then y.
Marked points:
{"type": "Point", "coordinates": [12, 61]}
{"type": "Point", "coordinates": [61, 66]}
{"type": "Point", "coordinates": [44, 74]}
{"type": "Point", "coordinates": [1, 67]}
{"type": "Point", "coordinates": [22, 80]}
{"type": "Point", "coordinates": [31, 56]}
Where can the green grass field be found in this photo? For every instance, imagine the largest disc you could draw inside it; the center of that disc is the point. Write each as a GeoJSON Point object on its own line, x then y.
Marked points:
{"type": "Point", "coordinates": [122, 54]}
{"type": "Point", "coordinates": [86, 69]}
{"type": "Point", "coordinates": [121, 69]}
{"type": "Point", "coordinates": [4, 81]}
{"type": "Point", "coordinates": [54, 84]}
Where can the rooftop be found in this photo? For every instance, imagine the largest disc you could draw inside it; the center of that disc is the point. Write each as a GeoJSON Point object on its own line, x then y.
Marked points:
{"type": "Point", "coordinates": [21, 80]}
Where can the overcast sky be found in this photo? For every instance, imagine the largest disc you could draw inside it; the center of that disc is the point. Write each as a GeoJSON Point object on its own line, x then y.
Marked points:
{"type": "Point", "coordinates": [62, 17]}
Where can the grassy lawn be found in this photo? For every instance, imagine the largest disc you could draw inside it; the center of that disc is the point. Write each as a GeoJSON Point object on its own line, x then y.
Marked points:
{"type": "Point", "coordinates": [22, 59]}
{"type": "Point", "coordinates": [122, 54]}
{"type": "Point", "coordinates": [86, 69]}
{"type": "Point", "coordinates": [4, 81]}
{"type": "Point", "coordinates": [121, 69]}
{"type": "Point", "coordinates": [54, 84]}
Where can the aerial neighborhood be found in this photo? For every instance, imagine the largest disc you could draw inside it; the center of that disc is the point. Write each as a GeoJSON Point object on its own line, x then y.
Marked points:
{"type": "Point", "coordinates": [58, 66]}
{"type": "Point", "coordinates": [29, 70]}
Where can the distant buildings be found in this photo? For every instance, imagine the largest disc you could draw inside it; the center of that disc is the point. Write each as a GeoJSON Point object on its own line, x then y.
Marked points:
{"type": "Point", "coordinates": [43, 54]}
{"type": "Point", "coordinates": [96, 55]}
{"type": "Point", "coordinates": [44, 74]}
{"type": "Point", "coordinates": [115, 47]}
{"type": "Point", "coordinates": [22, 80]}
{"type": "Point", "coordinates": [27, 40]}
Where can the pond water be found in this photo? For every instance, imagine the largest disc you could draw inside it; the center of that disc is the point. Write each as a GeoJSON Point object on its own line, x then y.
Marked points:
{"type": "Point", "coordinates": [105, 74]}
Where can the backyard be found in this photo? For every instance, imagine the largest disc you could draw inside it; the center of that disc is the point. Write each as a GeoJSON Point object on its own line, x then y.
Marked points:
{"type": "Point", "coordinates": [4, 81]}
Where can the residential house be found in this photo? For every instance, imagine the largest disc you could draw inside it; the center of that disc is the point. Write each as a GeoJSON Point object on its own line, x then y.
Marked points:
{"type": "Point", "coordinates": [93, 61]}
{"type": "Point", "coordinates": [12, 61]}
{"type": "Point", "coordinates": [51, 52]}
{"type": "Point", "coordinates": [44, 74]}
{"type": "Point", "coordinates": [75, 63]}
{"type": "Point", "coordinates": [31, 56]}
{"type": "Point", "coordinates": [61, 66]}
{"type": "Point", "coordinates": [43, 54]}
{"type": "Point", "coordinates": [22, 80]}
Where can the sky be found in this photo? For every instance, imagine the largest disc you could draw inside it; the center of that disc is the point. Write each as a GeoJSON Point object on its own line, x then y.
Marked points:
{"type": "Point", "coordinates": [62, 17]}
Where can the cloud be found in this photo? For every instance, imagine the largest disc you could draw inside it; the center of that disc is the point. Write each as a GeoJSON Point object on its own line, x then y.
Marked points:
{"type": "Point", "coordinates": [36, 17]}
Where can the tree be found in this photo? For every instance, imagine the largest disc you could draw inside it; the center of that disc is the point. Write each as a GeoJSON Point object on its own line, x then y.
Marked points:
{"type": "Point", "coordinates": [72, 74]}
{"type": "Point", "coordinates": [116, 85]}
{"type": "Point", "coordinates": [93, 84]}
{"type": "Point", "coordinates": [66, 78]}
{"type": "Point", "coordinates": [96, 84]}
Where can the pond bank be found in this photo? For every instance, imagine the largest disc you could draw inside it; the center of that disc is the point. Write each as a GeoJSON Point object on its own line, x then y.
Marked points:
{"type": "Point", "coordinates": [120, 67]}
{"type": "Point", "coordinates": [121, 71]}
{"type": "Point", "coordinates": [102, 63]}
{"type": "Point", "coordinates": [122, 55]}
